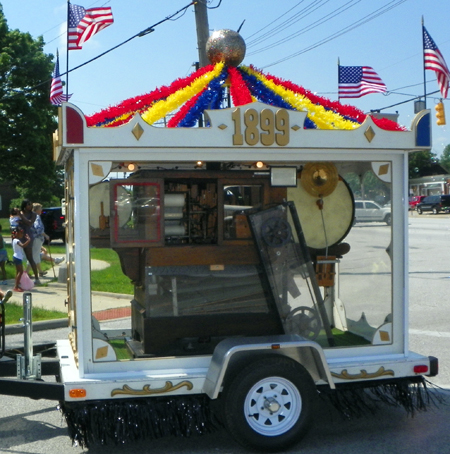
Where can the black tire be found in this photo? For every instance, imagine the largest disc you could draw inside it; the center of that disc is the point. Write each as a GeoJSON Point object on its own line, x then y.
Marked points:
{"type": "Point", "coordinates": [268, 405]}
{"type": "Point", "coordinates": [419, 211]}
{"type": "Point", "coordinates": [435, 210]}
{"type": "Point", "coordinates": [388, 219]}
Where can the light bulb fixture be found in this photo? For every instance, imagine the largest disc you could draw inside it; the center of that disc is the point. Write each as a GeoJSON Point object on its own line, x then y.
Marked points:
{"type": "Point", "coordinates": [259, 165]}
{"type": "Point", "coordinates": [131, 166]}
{"type": "Point", "coordinates": [199, 164]}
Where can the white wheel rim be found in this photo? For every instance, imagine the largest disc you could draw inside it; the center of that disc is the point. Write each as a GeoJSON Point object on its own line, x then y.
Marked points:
{"type": "Point", "coordinates": [272, 406]}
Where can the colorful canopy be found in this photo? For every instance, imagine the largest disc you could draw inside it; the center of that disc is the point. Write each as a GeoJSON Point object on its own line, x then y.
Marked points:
{"type": "Point", "coordinates": [205, 89]}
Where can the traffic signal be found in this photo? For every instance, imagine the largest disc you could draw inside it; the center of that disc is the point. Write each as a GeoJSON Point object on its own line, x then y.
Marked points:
{"type": "Point", "coordinates": [440, 114]}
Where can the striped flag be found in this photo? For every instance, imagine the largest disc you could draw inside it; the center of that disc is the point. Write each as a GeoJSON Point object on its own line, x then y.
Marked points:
{"type": "Point", "coordinates": [84, 23]}
{"type": "Point", "coordinates": [357, 81]}
{"type": "Point", "coordinates": [434, 60]}
{"type": "Point", "coordinates": [56, 89]}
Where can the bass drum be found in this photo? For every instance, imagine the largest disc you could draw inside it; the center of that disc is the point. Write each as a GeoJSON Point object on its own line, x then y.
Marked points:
{"type": "Point", "coordinates": [327, 221]}
{"type": "Point", "coordinates": [99, 204]}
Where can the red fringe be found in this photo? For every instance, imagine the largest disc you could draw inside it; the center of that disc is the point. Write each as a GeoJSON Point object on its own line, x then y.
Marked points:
{"type": "Point", "coordinates": [173, 122]}
{"type": "Point", "coordinates": [142, 102]}
{"type": "Point", "coordinates": [240, 94]}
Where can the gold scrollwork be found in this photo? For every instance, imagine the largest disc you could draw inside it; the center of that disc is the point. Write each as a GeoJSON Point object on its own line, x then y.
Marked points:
{"type": "Point", "coordinates": [344, 375]}
{"type": "Point", "coordinates": [146, 391]}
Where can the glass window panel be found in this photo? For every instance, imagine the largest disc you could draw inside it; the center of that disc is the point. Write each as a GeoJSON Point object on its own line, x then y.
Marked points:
{"type": "Point", "coordinates": [137, 212]}
{"type": "Point", "coordinates": [237, 200]}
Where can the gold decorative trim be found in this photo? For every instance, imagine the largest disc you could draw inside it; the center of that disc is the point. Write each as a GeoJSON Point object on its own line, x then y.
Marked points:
{"type": "Point", "coordinates": [296, 127]}
{"type": "Point", "coordinates": [344, 375]}
{"type": "Point", "coordinates": [369, 133]}
{"type": "Point", "coordinates": [146, 391]}
{"type": "Point", "coordinates": [383, 170]}
{"type": "Point", "coordinates": [222, 126]}
{"type": "Point", "coordinates": [137, 131]}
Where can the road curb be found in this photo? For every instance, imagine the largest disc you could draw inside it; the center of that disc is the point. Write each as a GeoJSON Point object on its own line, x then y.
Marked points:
{"type": "Point", "coordinates": [38, 326]}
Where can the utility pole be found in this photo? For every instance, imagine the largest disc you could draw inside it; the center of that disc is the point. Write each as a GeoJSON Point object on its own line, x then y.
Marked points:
{"type": "Point", "coordinates": [201, 22]}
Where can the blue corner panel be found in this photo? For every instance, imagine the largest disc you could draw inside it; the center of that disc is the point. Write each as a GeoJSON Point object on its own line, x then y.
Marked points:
{"type": "Point", "coordinates": [423, 131]}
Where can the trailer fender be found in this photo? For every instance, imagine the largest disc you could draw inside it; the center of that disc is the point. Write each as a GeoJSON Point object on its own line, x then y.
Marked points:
{"type": "Point", "coordinates": [231, 354]}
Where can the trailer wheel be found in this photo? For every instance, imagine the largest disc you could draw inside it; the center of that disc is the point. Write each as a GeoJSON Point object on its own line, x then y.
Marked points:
{"type": "Point", "coordinates": [268, 405]}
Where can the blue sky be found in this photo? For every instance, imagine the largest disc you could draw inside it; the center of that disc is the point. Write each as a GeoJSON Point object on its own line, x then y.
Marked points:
{"type": "Point", "coordinates": [390, 43]}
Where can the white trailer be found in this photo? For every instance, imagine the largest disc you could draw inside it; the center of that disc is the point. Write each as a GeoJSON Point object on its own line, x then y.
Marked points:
{"type": "Point", "coordinates": [253, 288]}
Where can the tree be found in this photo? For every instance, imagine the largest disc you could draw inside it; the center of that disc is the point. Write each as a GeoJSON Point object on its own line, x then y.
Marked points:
{"type": "Point", "coordinates": [445, 159]}
{"type": "Point", "coordinates": [421, 163]}
{"type": "Point", "coordinates": [27, 119]}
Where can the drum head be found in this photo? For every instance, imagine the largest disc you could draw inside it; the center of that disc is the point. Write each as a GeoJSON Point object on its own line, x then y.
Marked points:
{"type": "Point", "coordinates": [99, 197]}
{"type": "Point", "coordinates": [327, 226]}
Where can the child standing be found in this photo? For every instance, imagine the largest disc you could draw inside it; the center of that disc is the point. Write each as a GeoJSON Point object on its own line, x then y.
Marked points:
{"type": "Point", "coordinates": [19, 254]}
{"type": "Point", "coordinates": [14, 219]}
{"type": "Point", "coordinates": [3, 258]}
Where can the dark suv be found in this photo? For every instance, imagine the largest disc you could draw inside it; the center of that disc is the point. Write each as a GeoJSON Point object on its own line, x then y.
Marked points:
{"type": "Point", "coordinates": [434, 203]}
{"type": "Point", "coordinates": [54, 223]}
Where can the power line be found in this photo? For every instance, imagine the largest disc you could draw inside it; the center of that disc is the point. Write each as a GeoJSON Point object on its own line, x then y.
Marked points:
{"type": "Point", "coordinates": [140, 34]}
{"type": "Point", "coordinates": [384, 9]}
{"type": "Point", "coordinates": [314, 6]}
{"type": "Point", "coordinates": [313, 25]}
{"type": "Point", "coordinates": [404, 102]}
{"type": "Point", "coordinates": [270, 23]}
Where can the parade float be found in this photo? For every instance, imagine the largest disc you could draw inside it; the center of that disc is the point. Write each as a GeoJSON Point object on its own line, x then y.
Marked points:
{"type": "Point", "coordinates": [253, 289]}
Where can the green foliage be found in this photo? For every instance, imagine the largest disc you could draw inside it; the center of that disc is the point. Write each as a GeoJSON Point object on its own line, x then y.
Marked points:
{"type": "Point", "coordinates": [420, 163]}
{"type": "Point", "coordinates": [4, 222]}
{"type": "Point", "coordinates": [27, 119]}
{"type": "Point", "coordinates": [445, 159]}
{"type": "Point", "coordinates": [370, 188]}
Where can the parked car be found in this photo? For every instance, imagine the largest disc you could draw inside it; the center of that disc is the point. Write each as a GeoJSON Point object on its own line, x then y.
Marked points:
{"type": "Point", "coordinates": [414, 200]}
{"type": "Point", "coordinates": [370, 211]}
{"type": "Point", "coordinates": [54, 223]}
{"type": "Point", "coordinates": [434, 203]}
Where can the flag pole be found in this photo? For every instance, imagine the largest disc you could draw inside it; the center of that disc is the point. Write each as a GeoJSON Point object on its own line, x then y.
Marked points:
{"type": "Point", "coordinates": [339, 63]}
{"type": "Point", "coordinates": [424, 76]}
{"type": "Point", "coordinates": [67, 51]}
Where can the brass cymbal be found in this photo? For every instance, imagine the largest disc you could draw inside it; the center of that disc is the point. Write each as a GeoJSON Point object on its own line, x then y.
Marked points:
{"type": "Point", "coordinates": [319, 179]}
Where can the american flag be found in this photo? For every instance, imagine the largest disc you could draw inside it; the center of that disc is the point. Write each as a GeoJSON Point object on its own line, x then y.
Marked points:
{"type": "Point", "coordinates": [357, 81]}
{"type": "Point", "coordinates": [84, 23]}
{"type": "Point", "coordinates": [434, 60]}
{"type": "Point", "coordinates": [56, 89]}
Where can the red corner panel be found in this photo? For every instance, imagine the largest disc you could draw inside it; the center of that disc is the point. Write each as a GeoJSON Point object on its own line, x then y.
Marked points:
{"type": "Point", "coordinates": [74, 126]}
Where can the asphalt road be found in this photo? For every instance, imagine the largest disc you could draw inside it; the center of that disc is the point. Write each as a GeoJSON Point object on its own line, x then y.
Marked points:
{"type": "Point", "coordinates": [28, 426]}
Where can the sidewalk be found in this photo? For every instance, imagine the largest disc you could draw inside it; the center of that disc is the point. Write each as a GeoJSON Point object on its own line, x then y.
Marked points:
{"type": "Point", "coordinates": [53, 295]}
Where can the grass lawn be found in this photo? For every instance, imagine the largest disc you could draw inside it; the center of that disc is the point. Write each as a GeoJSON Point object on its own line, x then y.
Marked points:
{"type": "Point", "coordinates": [14, 312]}
{"type": "Point", "coordinates": [110, 279]}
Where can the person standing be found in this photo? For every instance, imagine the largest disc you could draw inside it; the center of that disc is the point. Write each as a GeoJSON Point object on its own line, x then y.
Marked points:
{"type": "Point", "coordinates": [27, 218]}
{"type": "Point", "coordinates": [3, 258]}
{"type": "Point", "coordinates": [39, 237]}
{"type": "Point", "coordinates": [19, 243]}
{"type": "Point", "coordinates": [14, 219]}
